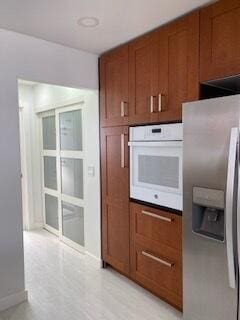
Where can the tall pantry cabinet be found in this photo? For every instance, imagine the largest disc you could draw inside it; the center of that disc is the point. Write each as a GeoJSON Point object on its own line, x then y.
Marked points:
{"type": "Point", "coordinates": [145, 81]}
{"type": "Point", "coordinates": [115, 197]}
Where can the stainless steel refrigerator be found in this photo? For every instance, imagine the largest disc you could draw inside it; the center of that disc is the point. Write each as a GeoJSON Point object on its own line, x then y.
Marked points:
{"type": "Point", "coordinates": [211, 209]}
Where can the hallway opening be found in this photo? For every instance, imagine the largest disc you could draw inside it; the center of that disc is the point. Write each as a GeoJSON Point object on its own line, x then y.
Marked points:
{"type": "Point", "coordinates": [60, 163]}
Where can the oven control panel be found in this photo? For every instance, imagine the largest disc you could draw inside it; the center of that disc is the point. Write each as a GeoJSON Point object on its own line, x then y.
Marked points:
{"type": "Point", "coordinates": [163, 132]}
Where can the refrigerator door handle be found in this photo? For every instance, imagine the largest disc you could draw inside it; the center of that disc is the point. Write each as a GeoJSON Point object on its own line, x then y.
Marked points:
{"type": "Point", "coordinates": [229, 206]}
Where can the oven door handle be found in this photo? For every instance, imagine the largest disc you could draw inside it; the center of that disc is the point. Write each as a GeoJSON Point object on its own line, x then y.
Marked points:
{"type": "Point", "coordinates": [172, 144]}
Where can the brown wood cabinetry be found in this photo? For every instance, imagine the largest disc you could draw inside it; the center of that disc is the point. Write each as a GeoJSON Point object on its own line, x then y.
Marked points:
{"type": "Point", "coordinates": [114, 87]}
{"type": "Point", "coordinates": [176, 60]}
{"type": "Point", "coordinates": [145, 81]}
{"type": "Point", "coordinates": [115, 197]}
{"type": "Point", "coordinates": [148, 80]}
{"type": "Point", "coordinates": [156, 252]}
{"type": "Point", "coordinates": [220, 40]}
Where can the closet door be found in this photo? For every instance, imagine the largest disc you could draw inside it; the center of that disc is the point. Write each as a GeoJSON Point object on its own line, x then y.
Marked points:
{"type": "Point", "coordinates": [63, 174]}
{"type": "Point", "coordinates": [50, 179]}
{"type": "Point", "coordinates": [71, 172]}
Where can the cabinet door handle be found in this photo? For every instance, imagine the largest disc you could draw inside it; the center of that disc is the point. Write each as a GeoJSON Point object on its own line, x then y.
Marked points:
{"type": "Point", "coordinates": [162, 261]}
{"type": "Point", "coordinates": [123, 114]}
{"type": "Point", "coordinates": [147, 213]}
{"type": "Point", "coordinates": [122, 151]}
{"type": "Point", "coordinates": [151, 104]}
{"type": "Point", "coordinates": [160, 102]}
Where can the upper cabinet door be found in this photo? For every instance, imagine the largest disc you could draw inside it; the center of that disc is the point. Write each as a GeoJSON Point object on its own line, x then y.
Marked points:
{"type": "Point", "coordinates": [114, 87]}
{"type": "Point", "coordinates": [220, 40]}
{"type": "Point", "coordinates": [177, 66]}
{"type": "Point", "coordinates": [142, 104]}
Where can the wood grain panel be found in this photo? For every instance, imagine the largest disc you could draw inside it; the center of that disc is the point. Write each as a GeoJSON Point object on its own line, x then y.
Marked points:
{"type": "Point", "coordinates": [157, 225]}
{"type": "Point", "coordinates": [140, 81]}
{"type": "Point", "coordinates": [115, 198]}
{"type": "Point", "coordinates": [156, 252]}
{"type": "Point", "coordinates": [178, 65]}
{"type": "Point", "coordinates": [114, 87]}
{"type": "Point", "coordinates": [220, 41]}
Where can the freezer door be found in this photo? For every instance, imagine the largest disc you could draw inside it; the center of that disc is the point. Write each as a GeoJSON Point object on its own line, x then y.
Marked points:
{"type": "Point", "coordinates": [210, 288]}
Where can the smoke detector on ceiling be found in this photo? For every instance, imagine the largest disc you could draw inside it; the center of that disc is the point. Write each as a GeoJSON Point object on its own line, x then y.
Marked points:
{"type": "Point", "coordinates": [88, 22]}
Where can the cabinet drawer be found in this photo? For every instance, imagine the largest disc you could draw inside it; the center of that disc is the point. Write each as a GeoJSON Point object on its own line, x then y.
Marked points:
{"type": "Point", "coordinates": [157, 225]}
{"type": "Point", "coordinates": [159, 269]}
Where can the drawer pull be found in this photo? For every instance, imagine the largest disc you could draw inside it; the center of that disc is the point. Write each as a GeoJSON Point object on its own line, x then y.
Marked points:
{"type": "Point", "coordinates": [151, 104]}
{"type": "Point", "coordinates": [123, 114]}
{"type": "Point", "coordinates": [164, 262]}
{"type": "Point", "coordinates": [160, 102]}
{"type": "Point", "coordinates": [122, 151]}
{"type": "Point", "coordinates": [157, 216]}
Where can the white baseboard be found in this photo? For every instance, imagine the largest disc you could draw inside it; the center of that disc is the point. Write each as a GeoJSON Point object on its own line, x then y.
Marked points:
{"type": "Point", "coordinates": [96, 259]}
{"type": "Point", "coordinates": [37, 225]}
{"type": "Point", "coordinates": [13, 299]}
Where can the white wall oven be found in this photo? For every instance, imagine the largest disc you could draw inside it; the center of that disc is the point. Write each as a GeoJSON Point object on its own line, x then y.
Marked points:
{"type": "Point", "coordinates": [156, 164]}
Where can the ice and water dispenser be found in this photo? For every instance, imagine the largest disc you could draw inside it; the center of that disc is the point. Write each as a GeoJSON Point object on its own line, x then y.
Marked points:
{"type": "Point", "coordinates": [208, 213]}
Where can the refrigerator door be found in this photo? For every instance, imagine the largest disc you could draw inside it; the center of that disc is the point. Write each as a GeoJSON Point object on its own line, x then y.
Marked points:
{"type": "Point", "coordinates": [210, 288]}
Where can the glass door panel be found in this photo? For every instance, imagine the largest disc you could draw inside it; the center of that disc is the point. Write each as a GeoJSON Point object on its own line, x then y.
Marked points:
{"type": "Point", "coordinates": [50, 172]}
{"type": "Point", "coordinates": [73, 222]}
{"type": "Point", "coordinates": [50, 177]}
{"type": "Point", "coordinates": [72, 177]}
{"type": "Point", "coordinates": [158, 167]}
{"type": "Point", "coordinates": [163, 171]}
{"type": "Point", "coordinates": [51, 211]}
{"type": "Point", "coordinates": [49, 133]}
{"type": "Point", "coordinates": [71, 130]}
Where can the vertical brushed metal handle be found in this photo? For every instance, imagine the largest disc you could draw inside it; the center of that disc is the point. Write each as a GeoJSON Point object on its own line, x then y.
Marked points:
{"type": "Point", "coordinates": [123, 113]}
{"type": "Point", "coordinates": [122, 151]}
{"type": "Point", "coordinates": [232, 158]}
{"type": "Point", "coordinates": [162, 261]}
{"type": "Point", "coordinates": [160, 102]}
{"type": "Point", "coordinates": [238, 210]}
{"type": "Point", "coordinates": [151, 104]}
{"type": "Point", "coordinates": [122, 109]}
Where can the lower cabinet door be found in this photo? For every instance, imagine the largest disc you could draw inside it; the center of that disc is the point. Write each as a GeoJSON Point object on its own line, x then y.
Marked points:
{"type": "Point", "coordinates": [115, 198]}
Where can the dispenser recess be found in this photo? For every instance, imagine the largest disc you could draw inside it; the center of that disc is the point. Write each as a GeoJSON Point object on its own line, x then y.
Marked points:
{"type": "Point", "coordinates": [208, 213]}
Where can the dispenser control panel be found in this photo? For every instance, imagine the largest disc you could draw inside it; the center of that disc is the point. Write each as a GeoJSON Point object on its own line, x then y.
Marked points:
{"type": "Point", "coordinates": [208, 197]}
{"type": "Point", "coordinates": [208, 213]}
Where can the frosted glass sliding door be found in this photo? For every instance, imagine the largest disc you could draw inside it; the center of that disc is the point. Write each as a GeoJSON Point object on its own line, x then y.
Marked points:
{"type": "Point", "coordinates": [72, 175]}
{"type": "Point", "coordinates": [50, 179]}
{"type": "Point", "coordinates": [63, 174]}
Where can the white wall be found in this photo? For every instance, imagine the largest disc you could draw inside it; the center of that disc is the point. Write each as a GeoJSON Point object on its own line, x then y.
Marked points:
{"type": "Point", "coordinates": [43, 97]}
{"type": "Point", "coordinates": [93, 220]}
{"type": "Point", "coordinates": [51, 95]}
{"type": "Point", "coordinates": [26, 103]}
{"type": "Point", "coordinates": [32, 59]}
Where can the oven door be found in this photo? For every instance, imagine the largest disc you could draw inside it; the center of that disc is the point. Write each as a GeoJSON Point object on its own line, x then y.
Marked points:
{"type": "Point", "coordinates": [156, 172]}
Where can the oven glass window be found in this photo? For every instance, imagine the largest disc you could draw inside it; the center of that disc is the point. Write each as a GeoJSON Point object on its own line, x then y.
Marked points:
{"type": "Point", "coordinates": [159, 170]}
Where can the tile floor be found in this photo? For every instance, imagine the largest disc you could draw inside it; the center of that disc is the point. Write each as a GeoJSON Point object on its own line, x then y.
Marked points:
{"type": "Point", "coordinates": [66, 285]}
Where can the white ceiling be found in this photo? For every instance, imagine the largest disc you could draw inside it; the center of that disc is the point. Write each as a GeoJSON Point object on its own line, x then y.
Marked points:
{"type": "Point", "coordinates": [120, 20]}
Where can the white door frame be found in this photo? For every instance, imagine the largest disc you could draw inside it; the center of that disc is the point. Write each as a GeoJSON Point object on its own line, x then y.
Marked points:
{"type": "Point", "coordinates": [24, 176]}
